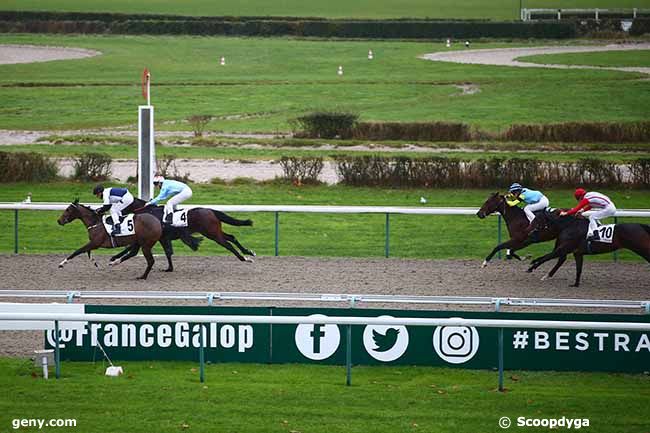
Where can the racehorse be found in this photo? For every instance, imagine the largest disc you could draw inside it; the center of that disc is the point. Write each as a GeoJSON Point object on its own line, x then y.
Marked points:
{"type": "Point", "coordinates": [199, 220]}
{"type": "Point", "coordinates": [147, 232]}
{"type": "Point", "coordinates": [517, 222]}
{"type": "Point", "coordinates": [572, 239]}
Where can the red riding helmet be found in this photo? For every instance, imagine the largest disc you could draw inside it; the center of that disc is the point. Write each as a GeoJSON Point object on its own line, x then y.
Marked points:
{"type": "Point", "coordinates": [580, 192]}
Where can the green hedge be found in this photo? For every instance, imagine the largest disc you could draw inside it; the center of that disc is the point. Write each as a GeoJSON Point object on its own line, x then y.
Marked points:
{"type": "Point", "coordinates": [26, 167]}
{"type": "Point", "coordinates": [417, 131]}
{"type": "Point", "coordinates": [581, 132]}
{"type": "Point", "coordinates": [640, 26]}
{"type": "Point", "coordinates": [305, 27]}
{"type": "Point", "coordinates": [441, 172]}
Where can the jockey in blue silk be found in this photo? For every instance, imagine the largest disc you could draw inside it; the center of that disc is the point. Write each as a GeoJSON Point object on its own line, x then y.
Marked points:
{"type": "Point", "coordinates": [115, 199]}
{"type": "Point", "coordinates": [534, 200]}
{"type": "Point", "coordinates": [178, 191]}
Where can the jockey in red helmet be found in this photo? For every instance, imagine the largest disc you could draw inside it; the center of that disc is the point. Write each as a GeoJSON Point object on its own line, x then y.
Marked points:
{"type": "Point", "coordinates": [601, 205]}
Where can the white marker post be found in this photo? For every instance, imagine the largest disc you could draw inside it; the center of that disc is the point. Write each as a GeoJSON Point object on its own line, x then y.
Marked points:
{"type": "Point", "coordinates": [146, 143]}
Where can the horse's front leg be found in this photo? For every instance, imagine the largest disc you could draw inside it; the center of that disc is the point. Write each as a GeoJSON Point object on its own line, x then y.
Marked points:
{"type": "Point", "coordinates": [579, 259]}
{"type": "Point", "coordinates": [511, 244]}
{"type": "Point", "coordinates": [86, 248]}
{"type": "Point", "coordinates": [92, 259]}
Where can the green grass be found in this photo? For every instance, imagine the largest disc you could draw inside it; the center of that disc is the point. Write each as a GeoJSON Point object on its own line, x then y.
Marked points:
{"type": "Point", "coordinates": [494, 9]}
{"type": "Point", "coordinates": [168, 397]}
{"type": "Point", "coordinates": [636, 58]}
{"type": "Point", "coordinates": [266, 82]}
{"type": "Point", "coordinates": [411, 236]}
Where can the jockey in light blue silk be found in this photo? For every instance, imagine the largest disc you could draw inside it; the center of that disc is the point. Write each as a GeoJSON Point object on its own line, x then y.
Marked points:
{"type": "Point", "coordinates": [178, 191]}
{"type": "Point", "coordinates": [534, 200]}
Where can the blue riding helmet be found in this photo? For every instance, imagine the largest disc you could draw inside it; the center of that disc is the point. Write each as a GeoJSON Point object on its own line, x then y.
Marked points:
{"type": "Point", "coordinates": [515, 187]}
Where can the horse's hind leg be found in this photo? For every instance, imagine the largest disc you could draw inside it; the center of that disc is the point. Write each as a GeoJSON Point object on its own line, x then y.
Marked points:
{"type": "Point", "coordinates": [243, 249]}
{"type": "Point", "coordinates": [579, 260]}
{"type": "Point", "coordinates": [557, 266]}
{"type": "Point", "coordinates": [146, 251]}
{"type": "Point", "coordinates": [92, 259]}
{"type": "Point", "coordinates": [221, 240]}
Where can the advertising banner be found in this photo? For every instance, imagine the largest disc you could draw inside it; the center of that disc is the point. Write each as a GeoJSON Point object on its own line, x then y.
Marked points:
{"type": "Point", "coordinates": [450, 346]}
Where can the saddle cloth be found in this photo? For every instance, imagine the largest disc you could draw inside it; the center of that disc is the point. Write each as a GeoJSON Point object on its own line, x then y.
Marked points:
{"type": "Point", "coordinates": [127, 226]}
{"type": "Point", "coordinates": [179, 218]}
{"type": "Point", "coordinates": [606, 233]}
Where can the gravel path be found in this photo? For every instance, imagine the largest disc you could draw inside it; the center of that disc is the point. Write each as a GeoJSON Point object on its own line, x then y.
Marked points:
{"type": "Point", "coordinates": [314, 275]}
{"type": "Point", "coordinates": [11, 54]}
{"type": "Point", "coordinates": [508, 56]}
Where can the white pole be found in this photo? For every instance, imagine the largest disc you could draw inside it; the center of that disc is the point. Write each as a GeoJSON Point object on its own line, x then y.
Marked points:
{"type": "Point", "coordinates": [45, 372]}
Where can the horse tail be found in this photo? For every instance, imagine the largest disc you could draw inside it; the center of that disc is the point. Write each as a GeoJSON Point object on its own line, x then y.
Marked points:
{"type": "Point", "coordinates": [230, 220]}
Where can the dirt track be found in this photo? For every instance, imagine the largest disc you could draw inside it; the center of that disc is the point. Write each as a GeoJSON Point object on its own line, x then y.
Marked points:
{"type": "Point", "coordinates": [601, 280]}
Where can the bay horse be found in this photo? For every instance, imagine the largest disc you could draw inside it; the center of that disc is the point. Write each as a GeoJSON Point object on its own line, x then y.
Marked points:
{"type": "Point", "coordinates": [199, 220]}
{"type": "Point", "coordinates": [516, 222]}
{"type": "Point", "coordinates": [147, 232]}
{"type": "Point", "coordinates": [572, 239]}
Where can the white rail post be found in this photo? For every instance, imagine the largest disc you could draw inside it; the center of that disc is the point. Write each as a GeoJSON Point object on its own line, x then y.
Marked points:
{"type": "Point", "coordinates": [146, 142]}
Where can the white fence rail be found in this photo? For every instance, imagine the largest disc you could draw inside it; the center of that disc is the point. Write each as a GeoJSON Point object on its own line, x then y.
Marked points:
{"type": "Point", "coordinates": [527, 14]}
{"type": "Point", "coordinates": [352, 299]}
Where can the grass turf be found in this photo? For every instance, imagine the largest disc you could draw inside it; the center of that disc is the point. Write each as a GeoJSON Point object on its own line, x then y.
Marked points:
{"type": "Point", "coordinates": [266, 82]}
{"type": "Point", "coordinates": [336, 235]}
{"type": "Point", "coordinates": [168, 397]}
{"type": "Point", "coordinates": [638, 58]}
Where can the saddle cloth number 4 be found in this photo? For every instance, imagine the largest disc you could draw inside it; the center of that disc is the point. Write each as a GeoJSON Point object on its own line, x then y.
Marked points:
{"type": "Point", "coordinates": [606, 233]}
{"type": "Point", "coordinates": [179, 218]}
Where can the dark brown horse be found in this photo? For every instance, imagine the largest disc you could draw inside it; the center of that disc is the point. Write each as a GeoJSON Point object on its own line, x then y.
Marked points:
{"type": "Point", "coordinates": [572, 239]}
{"type": "Point", "coordinates": [517, 223]}
{"type": "Point", "coordinates": [200, 220]}
{"type": "Point", "coordinates": [147, 232]}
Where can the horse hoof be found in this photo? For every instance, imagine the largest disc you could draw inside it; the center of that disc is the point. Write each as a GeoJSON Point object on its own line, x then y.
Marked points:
{"type": "Point", "coordinates": [484, 264]}
{"type": "Point", "coordinates": [60, 266]}
{"type": "Point", "coordinates": [544, 278]}
{"type": "Point", "coordinates": [169, 270]}
{"type": "Point", "coordinates": [249, 260]}
{"type": "Point", "coordinates": [529, 270]}
{"type": "Point", "coordinates": [253, 253]}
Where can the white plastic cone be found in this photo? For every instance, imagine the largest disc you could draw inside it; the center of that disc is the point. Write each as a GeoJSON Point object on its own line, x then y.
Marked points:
{"type": "Point", "coordinates": [370, 55]}
{"type": "Point", "coordinates": [222, 61]}
{"type": "Point", "coordinates": [340, 71]}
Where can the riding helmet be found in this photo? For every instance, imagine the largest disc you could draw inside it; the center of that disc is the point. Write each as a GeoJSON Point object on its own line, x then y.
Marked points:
{"type": "Point", "coordinates": [158, 179]}
{"type": "Point", "coordinates": [515, 187]}
{"type": "Point", "coordinates": [580, 192]}
{"type": "Point", "coordinates": [98, 189]}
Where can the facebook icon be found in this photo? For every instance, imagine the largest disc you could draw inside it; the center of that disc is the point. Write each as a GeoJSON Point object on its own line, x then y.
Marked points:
{"type": "Point", "coordinates": [317, 341]}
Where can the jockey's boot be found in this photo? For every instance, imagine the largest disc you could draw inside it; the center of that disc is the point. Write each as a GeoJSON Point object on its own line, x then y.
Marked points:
{"type": "Point", "coordinates": [117, 229]}
{"type": "Point", "coordinates": [168, 219]}
{"type": "Point", "coordinates": [595, 236]}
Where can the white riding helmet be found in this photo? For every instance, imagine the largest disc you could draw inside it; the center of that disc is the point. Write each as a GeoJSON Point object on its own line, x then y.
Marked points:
{"type": "Point", "coordinates": [158, 179]}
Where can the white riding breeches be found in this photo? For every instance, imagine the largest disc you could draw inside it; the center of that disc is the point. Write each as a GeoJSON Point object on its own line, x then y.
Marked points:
{"type": "Point", "coordinates": [540, 205]}
{"type": "Point", "coordinates": [118, 207]}
{"type": "Point", "coordinates": [170, 206]}
{"type": "Point", "coordinates": [596, 215]}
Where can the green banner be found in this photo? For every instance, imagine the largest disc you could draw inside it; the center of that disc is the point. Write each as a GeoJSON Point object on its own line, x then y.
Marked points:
{"type": "Point", "coordinates": [451, 346]}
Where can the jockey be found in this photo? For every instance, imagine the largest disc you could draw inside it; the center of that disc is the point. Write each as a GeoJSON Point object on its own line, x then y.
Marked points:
{"type": "Point", "coordinates": [117, 199]}
{"type": "Point", "coordinates": [601, 204]}
{"type": "Point", "coordinates": [178, 192]}
{"type": "Point", "coordinates": [534, 200]}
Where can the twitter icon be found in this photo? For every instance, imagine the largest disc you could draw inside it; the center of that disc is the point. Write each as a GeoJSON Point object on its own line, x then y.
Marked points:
{"type": "Point", "coordinates": [385, 343]}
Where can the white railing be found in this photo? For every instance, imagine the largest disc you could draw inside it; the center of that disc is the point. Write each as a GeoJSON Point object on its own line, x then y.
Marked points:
{"type": "Point", "coordinates": [352, 299]}
{"type": "Point", "coordinates": [333, 320]}
{"type": "Point", "coordinates": [527, 13]}
{"type": "Point", "coordinates": [644, 213]}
